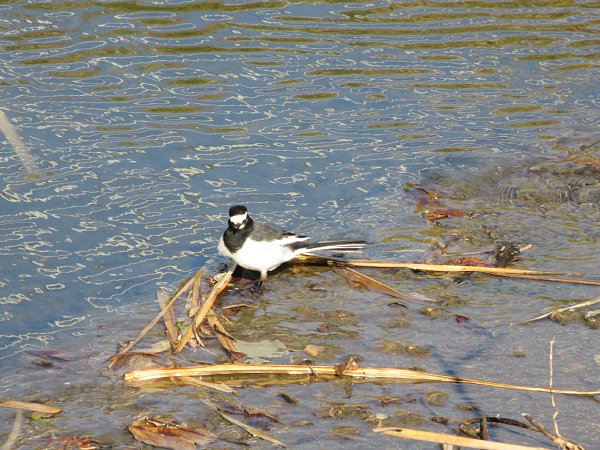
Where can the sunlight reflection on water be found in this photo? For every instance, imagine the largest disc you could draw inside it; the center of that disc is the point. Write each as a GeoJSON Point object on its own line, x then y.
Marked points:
{"type": "Point", "coordinates": [148, 120]}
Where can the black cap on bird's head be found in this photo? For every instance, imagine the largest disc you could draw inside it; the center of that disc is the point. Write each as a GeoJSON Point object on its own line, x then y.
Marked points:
{"type": "Point", "coordinates": [237, 210]}
{"type": "Point", "coordinates": [238, 217]}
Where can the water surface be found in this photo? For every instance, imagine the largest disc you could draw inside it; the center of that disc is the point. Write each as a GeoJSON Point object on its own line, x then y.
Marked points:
{"type": "Point", "coordinates": [146, 121]}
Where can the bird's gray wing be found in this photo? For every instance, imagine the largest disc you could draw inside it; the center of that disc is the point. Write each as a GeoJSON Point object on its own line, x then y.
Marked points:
{"type": "Point", "coordinates": [264, 232]}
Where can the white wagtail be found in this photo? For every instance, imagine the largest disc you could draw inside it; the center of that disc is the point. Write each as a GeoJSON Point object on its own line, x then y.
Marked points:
{"type": "Point", "coordinates": [262, 248]}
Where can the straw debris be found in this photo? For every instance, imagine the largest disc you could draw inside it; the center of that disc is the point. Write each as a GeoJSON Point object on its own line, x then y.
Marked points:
{"type": "Point", "coordinates": [204, 319]}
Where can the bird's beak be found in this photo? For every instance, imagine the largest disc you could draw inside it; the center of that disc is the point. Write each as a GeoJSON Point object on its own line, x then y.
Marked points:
{"type": "Point", "coordinates": [236, 226]}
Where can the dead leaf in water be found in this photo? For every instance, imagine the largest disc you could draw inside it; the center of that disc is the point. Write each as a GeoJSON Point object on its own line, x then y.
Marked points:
{"type": "Point", "coordinates": [442, 212]}
{"type": "Point", "coordinates": [423, 196]}
{"type": "Point", "coordinates": [171, 435]}
{"type": "Point", "coordinates": [79, 443]}
{"type": "Point", "coordinates": [431, 204]}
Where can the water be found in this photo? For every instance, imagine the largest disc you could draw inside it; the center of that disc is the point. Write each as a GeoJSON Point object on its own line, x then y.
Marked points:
{"type": "Point", "coordinates": [147, 120]}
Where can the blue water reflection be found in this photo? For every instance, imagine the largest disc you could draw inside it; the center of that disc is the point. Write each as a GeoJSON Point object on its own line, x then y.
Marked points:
{"type": "Point", "coordinates": [148, 120]}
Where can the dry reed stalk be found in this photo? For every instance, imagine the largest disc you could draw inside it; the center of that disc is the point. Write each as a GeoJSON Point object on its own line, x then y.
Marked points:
{"type": "Point", "coordinates": [159, 316]}
{"type": "Point", "coordinates": [496, 271]}
{"type": "Point", "coordinates": [208, 304]}
{"type": "Point", "coordinates": [441, 438]}
{"type": "Point", "coordinates": [227, 341]}
{"type": "Point", "coordinates": [329, 372]}
{"type": "Point", "coordinates": [195, 302]}
{"type": "Point", "coordinates": [196, 293]}
{"type": "Point", "coordinates": [442, 267]}
{"type": "Point", "coordinates": [168, 318]}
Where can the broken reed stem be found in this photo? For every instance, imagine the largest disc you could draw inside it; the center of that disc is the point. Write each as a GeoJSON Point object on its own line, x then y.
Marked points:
{"type": "Point", "coordinates": [196, 292]}
{"type": "Point", "coordinates": [227, 341]}
{"type": "Point", "coordinates": [195, 302]}
{"type": "Point", "coordinates": [208, 304]}
{"type": "Point", "coordinates": [550, 384]}
{"type": "Point", "coordinates": [440, 438]}
{"type": "Point", "coordinates": [326, 371]}
{"type": "Point", "coordinates": [168, 319]}
{"type": "Point", "coordinates": [441, 267]}
{"type": "Point", "coordinates": [159, 316]}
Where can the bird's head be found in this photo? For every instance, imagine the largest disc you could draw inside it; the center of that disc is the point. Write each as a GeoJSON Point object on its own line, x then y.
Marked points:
{"type": "Point", "coordinates": [238, 217]}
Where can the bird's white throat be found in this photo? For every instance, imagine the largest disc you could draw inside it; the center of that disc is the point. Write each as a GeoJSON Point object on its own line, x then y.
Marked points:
{"type": "Point", "coordinates": [239, 219]}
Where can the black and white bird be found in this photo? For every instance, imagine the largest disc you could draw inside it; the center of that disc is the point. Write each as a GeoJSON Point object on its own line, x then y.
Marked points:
{"type": "Point", "coordinates": [262, 248]}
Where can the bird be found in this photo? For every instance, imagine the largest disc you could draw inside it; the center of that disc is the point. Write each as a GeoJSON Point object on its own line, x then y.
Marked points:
{"type": "Point", "coordinates": [262, 248]}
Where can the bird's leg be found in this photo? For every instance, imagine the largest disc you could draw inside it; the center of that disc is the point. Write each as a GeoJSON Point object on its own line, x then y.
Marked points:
{"type": "Point", "coordinates": [260, 286]}
{"type": "Point", "coordinates": [252, 284]}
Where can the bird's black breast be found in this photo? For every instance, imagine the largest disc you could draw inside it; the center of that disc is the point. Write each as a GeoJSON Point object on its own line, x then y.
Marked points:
{"type": "Point", "coordinates": [234, 239]}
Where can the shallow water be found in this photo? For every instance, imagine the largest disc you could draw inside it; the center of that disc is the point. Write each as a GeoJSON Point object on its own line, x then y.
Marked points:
{"type": "Point", "coordinates": [146, 121]}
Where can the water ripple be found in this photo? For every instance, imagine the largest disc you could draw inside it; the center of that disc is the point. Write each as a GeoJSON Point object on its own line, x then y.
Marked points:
{"type": "Point", "coordinates": [147, 120]}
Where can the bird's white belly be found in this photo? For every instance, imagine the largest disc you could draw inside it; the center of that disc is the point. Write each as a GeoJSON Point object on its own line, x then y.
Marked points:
{"type": "Point", "coordinates": [262, 256]}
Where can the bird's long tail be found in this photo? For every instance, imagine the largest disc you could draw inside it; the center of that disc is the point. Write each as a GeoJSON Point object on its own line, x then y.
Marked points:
{"type": "Point", "coordinates": [342, 246]}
